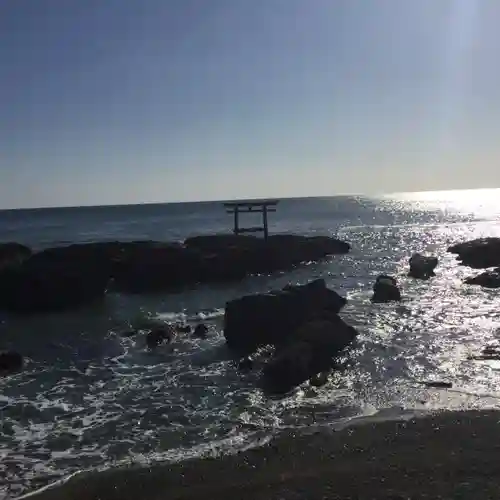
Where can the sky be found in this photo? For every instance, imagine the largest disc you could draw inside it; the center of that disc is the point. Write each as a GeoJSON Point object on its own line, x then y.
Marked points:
{"type": "Point", "coordinates": [138, 101]}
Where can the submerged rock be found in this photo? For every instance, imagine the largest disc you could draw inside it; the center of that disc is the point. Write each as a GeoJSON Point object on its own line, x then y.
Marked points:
{"type": "Point", "coordinates": [270, 319]}
{"type": "Point", "coordinates": [488, 279]}
{"type": "Point", "coordinates": [386, 289]}
{"type": "Point", "coordinates": [10, 361]}
{"type": "Point", "coordinates": [479, 253]}
{"type": "Point", "coordinates": [421, 266]}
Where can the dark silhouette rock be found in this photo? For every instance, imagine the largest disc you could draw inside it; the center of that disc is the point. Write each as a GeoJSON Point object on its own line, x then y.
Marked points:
{"type": "Point", "coordinates": [319, 379]}
{"type": "Point", "coordinates": [386, 289]}
{"type": "Point", "coordinates": [489, 353]}
{"type": "Point", "coordinates": [421, 266]}
{"type": "Point", "coordinates": [200, 331]}
{"type": "Point", "coordinates": [245, 364]}
{"type": "Point", "coordinates": [13, 254]}
{"type": "Point", "coordinates": [488, 279]}
{"type": "Point", "coordinates": [10, 361]}
{"type": "Point", "coordinates": [183, 328]}
{"type": "Point", "coordinates": [46, 288]}
{"type": "Point", "coordinates": [270, 319]}
{"type": "Point", "coordinates": [160, 335]}
{"type": "Point", "coordinates": [479, 253]}
{"type": "Point", "coordinates": [438, 384]}
{"type": "Point", "coordinates": [311, 350]}
{"type": "Point", "coordinates": [67, 277]}
{"type": "Point", "coordinates": [128, 333]}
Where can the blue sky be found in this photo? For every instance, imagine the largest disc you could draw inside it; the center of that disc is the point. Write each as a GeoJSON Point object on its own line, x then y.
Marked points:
{"type": "Point", "coordinates": [130, 101]}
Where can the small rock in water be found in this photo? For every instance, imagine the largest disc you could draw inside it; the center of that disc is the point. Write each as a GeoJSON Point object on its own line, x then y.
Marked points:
{"type": "Point", "coordinates": [183, 328]}
{"type": "Point", "coordinates": [386, 289]}
{"type": "Point", "coordinates": [319, 379]}
{"type": "Point", "coordinates": [245, 364]}
{"type": "Point", "coordinates": [422, 266]}
{"type": "Point", "coordinates": [438, 384]}
{"type": "Point", "coordinates": [128, 333]}
{"type": "Point", "coordinates": [160, 335]}
{"type": "Point", "coordinates": [10, 361]}
{"type": "Point", "coordinates": [201, 331]}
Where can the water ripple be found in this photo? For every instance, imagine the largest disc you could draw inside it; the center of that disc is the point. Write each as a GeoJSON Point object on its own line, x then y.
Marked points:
{"type": "Point", "coordinates": [90, 399]}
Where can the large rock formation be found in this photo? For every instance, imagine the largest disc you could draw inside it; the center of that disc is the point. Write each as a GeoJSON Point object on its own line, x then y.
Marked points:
{"type": "Point", "coordinates": [479, 253]}
{"type": "Point", "coordinates": [253, 321]}
{"type": "Point", "coordinates": [422, 266]}
{"type": "Point", "coordinates": [41, 285]}
{"type": "Point", "coordinates": [66, 277]}
{"type": "Point", "coordinates": [301, 322]}
{"type": "Point", "coordinates": [310, 351]}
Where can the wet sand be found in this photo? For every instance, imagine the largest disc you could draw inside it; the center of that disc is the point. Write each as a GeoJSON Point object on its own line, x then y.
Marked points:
{"type": "Point", "coordinates": [448, 456]}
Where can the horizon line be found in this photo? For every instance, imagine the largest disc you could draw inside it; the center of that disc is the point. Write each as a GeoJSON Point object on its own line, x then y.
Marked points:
{"type": "Point", "coordinates": [153, 203]}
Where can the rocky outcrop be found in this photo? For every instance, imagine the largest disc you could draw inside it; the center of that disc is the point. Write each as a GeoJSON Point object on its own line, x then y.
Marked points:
{"type": "Point", "coordinates": [488, 279]}
{"type": "Point", "coordinates": [10, 361]}
{"type": "Point", "coordinates": [386, 289]}
{"type": "Point", "coordinates": [422, 266]}
{"type": "Point", "coordinates": [13, 254]}
{"type": "Point", "coordinates": [309, 352]}
{"type": "Point", "coordinates": [301, 322]}
{"type": "Point", "coordinates": [253, 321]}
{"type": "Point", "coordinates": [67, 277]}
{"type": "Point", "coordinates": [479, 253]}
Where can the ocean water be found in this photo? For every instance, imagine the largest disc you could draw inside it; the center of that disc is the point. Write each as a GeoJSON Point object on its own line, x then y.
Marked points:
{"type": "Point", "coordinates": [90, 399]}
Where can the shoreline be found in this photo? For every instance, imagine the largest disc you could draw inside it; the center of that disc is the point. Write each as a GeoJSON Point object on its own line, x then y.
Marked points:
{"type": "Point", "coordinates": [445, 455]}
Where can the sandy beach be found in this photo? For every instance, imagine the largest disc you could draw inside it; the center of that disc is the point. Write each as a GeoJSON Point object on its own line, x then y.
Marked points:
{"type": "Point", "coordinates": [447, 456]}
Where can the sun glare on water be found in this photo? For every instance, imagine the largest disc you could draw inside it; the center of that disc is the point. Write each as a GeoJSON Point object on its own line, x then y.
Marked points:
{"type": "Point", "coordinates": [477, 202]}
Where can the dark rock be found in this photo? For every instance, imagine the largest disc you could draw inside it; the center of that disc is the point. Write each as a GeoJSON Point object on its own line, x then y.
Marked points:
{"type": "Point", "coordinates": [200, 331]}
{"type": "Point", "coordinates": [421, 266]}
{"type": "Point", "coordinates": [311, 350]}
{"type": "Point", "coordinates": [35, 288]}
{"type": "Point", "coordinates": [270, 319]}
{"type": "Point", "coordinates": [66, 277]}
{"type": "Point", "coordinates": [488, 279]}
{"type": "Point", "coordinates": [10, 361]}
{"type": "Point", "coordinates": [128, 333]}
{"type": "Point", "coordinates": [245, 364]}
{"type": "Point", "coordinates": [160, 335]}
{"type": "Point", "coordinates": [56, 279]}
{"type": "Point", "coordinates": [479, 253]}
{"type": "Point", "coordinates": [386, 289]}
{"type": "Point", "coordinates": [319, 379]}
{"type": "Point", "coordinates": [13, 254]}
{"type": "Point", "coordinates": [489, 353]}
{"type": "Point", "coordinates": [231, 257]}
{"type": "Point", "coordinates": [183, 328]}
{"type": "Point", "coordinates": [438, 384]}
{"type": "Point", "coordinates": [484, 357]}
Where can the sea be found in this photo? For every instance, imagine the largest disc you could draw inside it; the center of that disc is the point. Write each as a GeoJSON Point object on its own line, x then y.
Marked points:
{"type": "Point", "coordinates": [89, 399]}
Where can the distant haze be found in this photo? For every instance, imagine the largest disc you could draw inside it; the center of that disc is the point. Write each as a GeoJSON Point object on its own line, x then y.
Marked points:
{"type": "Point", "coordinates": [129, 101]}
